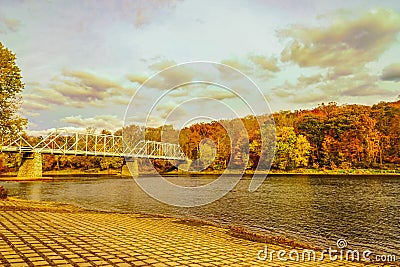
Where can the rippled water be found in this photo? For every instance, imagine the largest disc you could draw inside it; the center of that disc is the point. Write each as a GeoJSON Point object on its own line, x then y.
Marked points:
{"type": "Point", "coordinates": [364, 210]}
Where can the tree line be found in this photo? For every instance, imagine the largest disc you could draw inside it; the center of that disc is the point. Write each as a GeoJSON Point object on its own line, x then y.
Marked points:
{"type": "Point", "coordinates": [329, 136]}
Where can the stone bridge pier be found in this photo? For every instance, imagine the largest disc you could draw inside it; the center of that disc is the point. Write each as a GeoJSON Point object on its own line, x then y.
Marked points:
{"type": "Point", "coordinates": [184, 165]}
{"type": "Point", "coordinates": [31, 165]}
{"type": "Point", "coordinates": [130, 167]}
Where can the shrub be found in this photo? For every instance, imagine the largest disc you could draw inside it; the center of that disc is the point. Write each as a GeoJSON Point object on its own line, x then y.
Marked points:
{"type": "Point", "coordinates": [3, 192]}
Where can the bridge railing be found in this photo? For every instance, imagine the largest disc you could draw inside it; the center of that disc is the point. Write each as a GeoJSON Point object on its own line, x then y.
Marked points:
{"type": "Point", "coordinates": [15, 144]}
{"type": "Point", "coordinates": [153, 149]}
{"type": "Point", "coordinates": [64, 142]}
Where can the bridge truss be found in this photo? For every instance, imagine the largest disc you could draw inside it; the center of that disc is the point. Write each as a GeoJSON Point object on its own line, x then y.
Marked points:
{"type": "Point", "coordinates": [64, 142]}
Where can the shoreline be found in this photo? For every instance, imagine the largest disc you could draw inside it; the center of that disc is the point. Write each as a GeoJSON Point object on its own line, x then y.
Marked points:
{"type": "Point", "coordinates": [298, 172]}
{"type": "Point", "coordinates": [234, 231]}
{"type": "Point", "coordinates": [178, 240]}
{"type": "Point", "coordinates": [49, 176]}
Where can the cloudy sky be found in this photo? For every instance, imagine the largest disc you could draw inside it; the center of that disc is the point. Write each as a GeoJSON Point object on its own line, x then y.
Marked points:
{"type": "Point", "coordinates": [83, 61]}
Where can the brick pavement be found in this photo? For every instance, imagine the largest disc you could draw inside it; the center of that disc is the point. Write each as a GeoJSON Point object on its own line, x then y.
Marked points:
{"type": "Point", "coordinates": [46, 234]}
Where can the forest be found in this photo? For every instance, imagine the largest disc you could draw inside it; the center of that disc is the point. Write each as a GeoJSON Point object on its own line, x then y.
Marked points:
{"type": "Point", "coordinates": [327, 137]}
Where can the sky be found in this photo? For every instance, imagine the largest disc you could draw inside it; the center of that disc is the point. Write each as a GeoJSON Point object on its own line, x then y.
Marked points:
{"type": "Point", "coordinates": [106, 64]}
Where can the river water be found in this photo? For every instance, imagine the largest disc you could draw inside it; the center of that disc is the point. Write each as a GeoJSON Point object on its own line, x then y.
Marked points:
{"type": "Point", "coordinates": [316, 210]}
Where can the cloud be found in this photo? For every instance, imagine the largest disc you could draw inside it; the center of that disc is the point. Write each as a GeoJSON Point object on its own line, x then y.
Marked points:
{"type": "Point", "coordinates": [168, 105]}
{"type": "Point", "coordinates": [170, 74]}
{"type": "Point", "coordinates": [365, 89]}
{"type": "Point", "coordinates": [299, 95]}
{"type": "Point", "coordinates": [283, 91]}
{"type": "Point", "coordinates": [26, 113]}
{"type": "Point", "coordinates": [166, 77]}
{"type": "Point", "coordinates": [78, 89]}
{"type": "Point", "coordinates": [34, 106]}
{"type": "Point", "coordinates": [96, 82]}
{"type": "Point", "coordinates": [144, 119]}
{"type": "Point", "coordinates": [137, 78]}
{"type": "Point", "coordinates": [345, 44]}
{"type": "Point", "coordinates": [360, 84]}
{"type": "Point", "coordinates": [265, 63]}
{"type": "Point", "coordinates": [201, 90]}
{"type": "Point", "coordinates": [81, 85]}
{"type": "Point", "coordinates": [217, 93]}
{"type": "Point", "coordinates": [316, 88]}
{"type": "Point", "coordinates": [147, 10]}
{"type": "Point", "coordinates": [174, 115]}
{"type": "Point", "coordinates": [309, 80]}
{"type": "Point", "coordinates": [342, 48]}
{"type": "Point", "coordinates": [109, 122]}
{"type": "Point", "coordinates": [41, 99]}
{"type": "Point", "coordinates": [391, 73]}
{"type": "Point", "coordinates": [312, 96]}
{"type": "Point", "coordinates": [170, 110]}
{"type": "Point", "coordinates": [122, 100]}
{"type": "Point", "coordinates": [237, 64]}
{"type": "Point", "coordinates": [9, 24]}
{"type": "Point", "coordinates": [253, 65]}
{"type": "Point", "coordinates": [303, 83]}
{"type": "Point", "coordinates": [162, 64]}
{"type": "Point", "coordinates": [81, 89]}
{"type": "Point", "coordinates": [48, 131]}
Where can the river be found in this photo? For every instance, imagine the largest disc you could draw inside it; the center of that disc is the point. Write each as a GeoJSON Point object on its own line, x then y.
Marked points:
{"type": "Point", "coordinates": [317, 210]}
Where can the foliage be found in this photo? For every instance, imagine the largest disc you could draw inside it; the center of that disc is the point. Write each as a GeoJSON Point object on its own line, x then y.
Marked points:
{"type": "Point", "coordinates": [292, 150]}
{"type": "Point", "coordinates": [3, 193]}
{"type": "Point", "coordinates": [328, 137]}
{"type": "Point", "coordinates": [62, 162]}
{"type": "Point", "coordinates": [10, 88]}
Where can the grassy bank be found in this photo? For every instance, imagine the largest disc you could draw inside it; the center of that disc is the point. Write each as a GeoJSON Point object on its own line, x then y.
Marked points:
{"type": "Point", "coordinates": [297, 171]}
{"type": "Point", "coordinates": [49, 174]}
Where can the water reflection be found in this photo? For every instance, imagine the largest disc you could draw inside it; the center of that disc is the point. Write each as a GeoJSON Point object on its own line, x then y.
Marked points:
{"type": "Point", "coordinates": [317, 210]}
{"type": "Point", "coordinates": [34, 191]}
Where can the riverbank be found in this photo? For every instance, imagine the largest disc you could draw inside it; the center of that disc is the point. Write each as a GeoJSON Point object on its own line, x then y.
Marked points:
{"type": "Point", "coordinates": [294, 172]}
{"type": "Point", "coordinates": [68, 173]}
{"type": "Point", "coordinates": [51, 234]}
{"type": "Point", "coordinates": [48, 175]}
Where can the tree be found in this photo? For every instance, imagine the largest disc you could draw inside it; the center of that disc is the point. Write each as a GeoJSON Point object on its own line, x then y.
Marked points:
{"type": "Point", "coordinates": [207, 152]}
{"type": "Point", "coordinates": [10, 88]}
{"type": "Point", "coordinates": [313, 128]}
{"type": "Point", "coordinates": [285, 144]}
{"type": "Point", "coordinates": [291, 150]}
{"type": "Point", "coordinates": [267, 146]}
{"type": "Point", "coordinates": [301, 151]}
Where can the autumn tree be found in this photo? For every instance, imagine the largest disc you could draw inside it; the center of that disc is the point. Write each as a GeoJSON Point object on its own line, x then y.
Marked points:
{"type": "Point", "coordinates": [207, 153]}
{"type": "Point", "coordinates": [10, 88]}
{"type": "Point", "coordinates": [387, 116]}
{"type": "Point", "coordinates": [285, 144]}
{"type": "Point", "coordinates": [291, 150]}
{"type": "Point", "coordinates": [301, 151]}
{"type": "Point", "coordinates": [312, 126]}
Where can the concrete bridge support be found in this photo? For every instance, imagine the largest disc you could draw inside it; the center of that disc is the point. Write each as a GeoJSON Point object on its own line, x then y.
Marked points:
{"type": "Point", "coordinates": [130, 168]}
{"type": "Point", "coordinates": [31, 165]}
{"type": "Point", "coordinates": [184, 165]}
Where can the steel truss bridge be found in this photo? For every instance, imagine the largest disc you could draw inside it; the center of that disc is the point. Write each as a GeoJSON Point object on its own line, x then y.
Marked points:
{"type": "Point", "coordinates": [64, 142]}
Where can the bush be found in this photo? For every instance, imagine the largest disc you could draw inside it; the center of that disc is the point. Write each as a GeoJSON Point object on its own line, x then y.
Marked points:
{"type": "Point", "coordinates": [3, 192]}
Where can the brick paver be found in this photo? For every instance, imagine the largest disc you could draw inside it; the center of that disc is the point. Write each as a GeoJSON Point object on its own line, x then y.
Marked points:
{"type": "Point", "coordinates": [45, 234]}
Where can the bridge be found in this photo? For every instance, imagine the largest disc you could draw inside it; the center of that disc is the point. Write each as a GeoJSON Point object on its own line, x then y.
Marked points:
{"type": "Point", "coordinates": [65, 142]}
